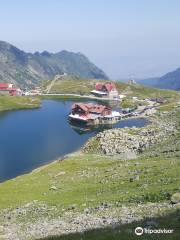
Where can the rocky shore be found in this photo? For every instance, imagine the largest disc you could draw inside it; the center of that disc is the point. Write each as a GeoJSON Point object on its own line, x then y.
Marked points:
{"type": "Point", "coordinates": [128, 143]}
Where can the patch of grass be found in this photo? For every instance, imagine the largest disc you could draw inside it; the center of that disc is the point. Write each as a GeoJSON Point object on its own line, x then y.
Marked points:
{"type": "Point", "coordinates": [128, 103]}
{"type": "Point", "coordinates": [93, 179]}
{"type": "Point", "coordinates": [70, 84]}
{"type": "Point", "coordinates": [167, 106]}
{"type": "Point", "coordinates": [15, 103]}
{"type": "Point", "coordinates": [143, 92]}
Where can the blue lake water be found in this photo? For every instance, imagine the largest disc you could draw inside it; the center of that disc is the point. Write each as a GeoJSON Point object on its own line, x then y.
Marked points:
{"type": "Point", "coordinates": [31, 138]}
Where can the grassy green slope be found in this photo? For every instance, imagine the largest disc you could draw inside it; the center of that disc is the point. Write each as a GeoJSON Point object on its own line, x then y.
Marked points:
{"type": "Point", "coordinates": [93, 179]}
{"type": "Point", "coordinates": [15, 103]}
{"type": "Point", "coordinates": [72, 84]}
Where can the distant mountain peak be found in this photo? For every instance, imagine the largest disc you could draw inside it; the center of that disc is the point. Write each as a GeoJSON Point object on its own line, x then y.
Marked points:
{"type": "Point", "coordinates": [170, 80]}
{"type": "Point", "coordinates": [27, 69]}
{"type": "Point", "coordinates": [46, 54]}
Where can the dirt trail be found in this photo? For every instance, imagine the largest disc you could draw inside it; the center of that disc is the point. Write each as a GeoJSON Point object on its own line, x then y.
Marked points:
{"type": "Point", "coordinates": [50, 85]}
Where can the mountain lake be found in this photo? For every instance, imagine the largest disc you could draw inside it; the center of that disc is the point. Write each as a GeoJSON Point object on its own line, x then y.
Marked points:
{"type": "Point", "coordinates": [31, 138]}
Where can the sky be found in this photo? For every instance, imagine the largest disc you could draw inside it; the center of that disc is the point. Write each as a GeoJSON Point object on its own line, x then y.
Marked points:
{"type": "Point", "coordinates": [126, 38]}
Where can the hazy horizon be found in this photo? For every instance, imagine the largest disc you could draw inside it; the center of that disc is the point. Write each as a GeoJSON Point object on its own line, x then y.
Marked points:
{"type": "Point", "coordinates": [124, 38]}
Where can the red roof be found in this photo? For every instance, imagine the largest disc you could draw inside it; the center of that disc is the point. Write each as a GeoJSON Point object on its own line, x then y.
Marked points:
{"type": "Point", "coordinates": [108, 87]}
{"type": "Point", "coordinates": [99, 86]}
{"type": "Point", "coordinates": [89, 107]}
{"type": "Point", "coordinates": [4, 85]}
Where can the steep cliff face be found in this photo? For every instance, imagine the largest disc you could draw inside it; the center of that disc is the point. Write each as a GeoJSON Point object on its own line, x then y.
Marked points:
{"type": "Point", "coordinates": [27, 69]}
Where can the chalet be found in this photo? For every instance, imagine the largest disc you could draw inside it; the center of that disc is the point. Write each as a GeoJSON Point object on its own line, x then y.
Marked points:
{"type": "Point", "coordinates": [5, 88]}
{"type": "Point", "coordinates": [89, 108]}
{"type": "Point", "coordinates": [9, 89]}
{"type": "Point", "coordinates": [105, 90]}
{"type": "Point", "coordinates": [92, 113]}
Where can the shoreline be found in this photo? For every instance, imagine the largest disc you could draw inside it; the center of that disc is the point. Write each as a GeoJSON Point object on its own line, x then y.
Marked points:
{"type": "Point", "coordinates": [29, 106]}
{"type": "Point", "coordinates": [12, 103]}
{"type": "Point", "coordinates": [41, 167]}
{"type": "Point", "coordinates": [74, 153]}
{"type": "Point", "coordinates": [78, 96]}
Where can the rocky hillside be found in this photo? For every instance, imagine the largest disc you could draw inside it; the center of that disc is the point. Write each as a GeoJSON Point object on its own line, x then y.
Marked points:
{"type": "Point", "coordinates": [128, 143]}
{"type": "Point", "coordinates": [27, 69]}
{"type": "Point", "coordinates": [170, 80]}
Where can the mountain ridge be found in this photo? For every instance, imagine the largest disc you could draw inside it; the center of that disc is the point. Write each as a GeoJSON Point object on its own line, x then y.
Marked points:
{"type": "Point", "coordinates": [170, 80]}
{"type": "Point", "coordinates": [28, 69]}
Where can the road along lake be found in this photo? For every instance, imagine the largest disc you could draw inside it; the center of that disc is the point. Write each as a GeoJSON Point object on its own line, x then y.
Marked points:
{"type": "Point", "coordinates": [31, 138]}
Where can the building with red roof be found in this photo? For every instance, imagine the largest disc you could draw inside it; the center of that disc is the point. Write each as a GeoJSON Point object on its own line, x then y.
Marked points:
{"type": "Point", "coordinates": [88, 108]}
{"type": "Point", "coordinates": [107, 89]}
{"type": "Point", "coordinates": [93, 114]}
{"type": "Point", "coordinates": [9, 89]}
